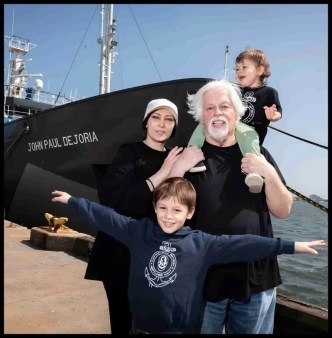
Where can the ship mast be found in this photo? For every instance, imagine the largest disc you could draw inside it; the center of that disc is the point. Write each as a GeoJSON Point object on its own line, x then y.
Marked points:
{"type": "Point", "coordinates": [107, 44]}
{"type": "Point", "coordinates": [17, 74]}
{"type": "Point", "coordinates": [225, 64]}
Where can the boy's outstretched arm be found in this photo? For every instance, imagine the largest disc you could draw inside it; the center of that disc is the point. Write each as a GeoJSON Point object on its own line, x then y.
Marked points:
{"type": "Point", "coordinates": [307, 247]}
{"type": "Point", "coordinates": [60, 196]}
{"type": "Point", "coordinates": [104, 218]}
{"type": "Point", "coordinates": [250, 248]}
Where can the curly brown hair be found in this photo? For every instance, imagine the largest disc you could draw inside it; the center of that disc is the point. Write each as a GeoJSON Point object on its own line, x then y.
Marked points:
{"type": "Point", "coordinates": [260, 59]}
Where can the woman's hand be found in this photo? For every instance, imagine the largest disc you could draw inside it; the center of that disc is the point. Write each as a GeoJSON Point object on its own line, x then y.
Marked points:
{"type": "Point", "coordinates": [186, 160]}
{"type": "Point", "coordinates": [171, 158]}
{"type": "Point", "coordinates": [164, 170]}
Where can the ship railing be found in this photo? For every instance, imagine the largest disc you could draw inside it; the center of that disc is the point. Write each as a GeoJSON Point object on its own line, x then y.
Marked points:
{"type": "Point", "coordinates": [20, 45]}
{"type": "Point", "coordinates": [39, 96]}
{"type": "Point", "coordinates": [14, 111]}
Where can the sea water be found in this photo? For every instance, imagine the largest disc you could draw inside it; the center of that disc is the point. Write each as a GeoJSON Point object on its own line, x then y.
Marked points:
{"type": "Point", "coordinates": [304, 276]}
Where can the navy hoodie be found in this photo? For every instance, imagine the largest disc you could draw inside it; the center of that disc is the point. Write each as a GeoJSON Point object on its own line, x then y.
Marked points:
{"type": "Point", "coordinates": [167, 271]}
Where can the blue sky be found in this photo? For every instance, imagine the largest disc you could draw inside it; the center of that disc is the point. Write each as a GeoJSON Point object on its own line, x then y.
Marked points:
{"type": "Point", "coordinates": [189, 41]}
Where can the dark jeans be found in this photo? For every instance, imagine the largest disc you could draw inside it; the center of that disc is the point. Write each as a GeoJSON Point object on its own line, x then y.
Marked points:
{"type": "Point", "coordinates": [119, 309]}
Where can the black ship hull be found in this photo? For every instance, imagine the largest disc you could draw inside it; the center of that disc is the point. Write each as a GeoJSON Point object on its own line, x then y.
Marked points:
{"type": "Point", "coordinates": [57, 148]}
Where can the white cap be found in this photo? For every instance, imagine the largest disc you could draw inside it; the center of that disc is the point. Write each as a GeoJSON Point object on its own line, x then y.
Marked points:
{"type": "Point", "coordinates": [159, 104]}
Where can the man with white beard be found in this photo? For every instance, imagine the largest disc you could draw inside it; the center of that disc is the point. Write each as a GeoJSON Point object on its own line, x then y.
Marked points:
{"type": "Point", "coordinates": [240, 297]}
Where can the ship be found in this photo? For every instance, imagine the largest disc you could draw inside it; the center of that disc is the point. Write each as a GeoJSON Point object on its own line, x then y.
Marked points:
{"type": "Point", "coordinates": [65, 143]}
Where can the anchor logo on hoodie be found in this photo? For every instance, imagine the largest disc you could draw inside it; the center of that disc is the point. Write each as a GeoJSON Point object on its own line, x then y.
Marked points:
{"type": "Point", "coordinates": [161, 266]}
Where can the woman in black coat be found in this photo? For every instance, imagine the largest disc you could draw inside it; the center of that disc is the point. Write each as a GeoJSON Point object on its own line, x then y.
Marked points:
{"type": "Point", "coordinates": [127, 187]}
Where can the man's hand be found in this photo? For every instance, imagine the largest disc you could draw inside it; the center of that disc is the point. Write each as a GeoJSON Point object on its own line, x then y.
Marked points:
{"type": "Point", "coordinates": [252, 163]}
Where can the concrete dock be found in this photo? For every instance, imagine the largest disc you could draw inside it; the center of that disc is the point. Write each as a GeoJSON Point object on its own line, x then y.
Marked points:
{"type": "Point", "coordinates": [45, 291]}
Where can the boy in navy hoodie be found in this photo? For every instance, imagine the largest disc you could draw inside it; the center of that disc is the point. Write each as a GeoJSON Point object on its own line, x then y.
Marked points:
{"type": "Point", "coordinates": [169, 261]}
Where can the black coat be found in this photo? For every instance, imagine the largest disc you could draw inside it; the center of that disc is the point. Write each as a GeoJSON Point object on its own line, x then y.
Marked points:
{"type": "Point", "coordinates": [123, 187]}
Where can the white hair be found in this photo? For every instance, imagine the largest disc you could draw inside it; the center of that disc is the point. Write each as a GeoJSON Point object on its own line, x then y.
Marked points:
{"type": "Point", "coordinates": [195, 101]}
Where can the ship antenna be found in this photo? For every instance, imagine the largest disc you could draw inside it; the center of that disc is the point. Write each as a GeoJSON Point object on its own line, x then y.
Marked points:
{"type": "Point", "coordinates": [225, 64]}
{"type": "Point", "coordinates": [107, 54]}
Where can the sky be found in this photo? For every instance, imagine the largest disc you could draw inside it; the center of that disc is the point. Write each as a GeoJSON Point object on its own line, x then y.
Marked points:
{"type": "Point", "coordinates": [162, 42]}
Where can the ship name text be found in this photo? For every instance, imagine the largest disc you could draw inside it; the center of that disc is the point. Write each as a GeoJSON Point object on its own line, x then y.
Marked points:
{"type": "Point", "coordinates": [64, 141]}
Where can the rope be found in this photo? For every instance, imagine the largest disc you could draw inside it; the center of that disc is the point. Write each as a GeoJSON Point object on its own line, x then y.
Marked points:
{"type": "Point", "coordinates": [307, 199]}
{"type": "Point", "coordinates": [299, 138]}
{"type": "Point", "coordinates": [303, 197]}
{"type": "Point", "coordinates": [78, 49]}
{"type": "Point", "coordinates": [146, 45]}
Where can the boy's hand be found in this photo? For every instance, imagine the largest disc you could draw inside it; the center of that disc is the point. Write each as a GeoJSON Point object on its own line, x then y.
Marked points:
{"type": "Point", "coordinates": [307, 247]}
{"type": "Point", "coordinates": [272, 113]}
{"type": "Point", "coordinates": [60, 196]}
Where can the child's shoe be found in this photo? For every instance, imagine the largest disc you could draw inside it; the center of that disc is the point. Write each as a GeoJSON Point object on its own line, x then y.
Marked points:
{"type": "Point", "coordinates": [200, 166]}
{"type": "Point", "coordinates": [254, 182]}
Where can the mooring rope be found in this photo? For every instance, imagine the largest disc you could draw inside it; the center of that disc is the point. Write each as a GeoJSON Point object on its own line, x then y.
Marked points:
{"type": "Point", "coordinates": [303, 197]}
{"type": "Point", "coordinates": [307, 199]}
{"type": "Point", "coordinates": [299, 138]}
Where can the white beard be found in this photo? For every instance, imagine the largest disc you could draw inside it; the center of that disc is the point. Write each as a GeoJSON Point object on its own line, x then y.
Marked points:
{"type": "Point", "coordinates": [218, 135]}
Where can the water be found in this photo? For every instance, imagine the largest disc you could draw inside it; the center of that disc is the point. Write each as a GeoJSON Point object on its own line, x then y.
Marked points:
{"type": "Point", "coordinates": [305, 276]}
